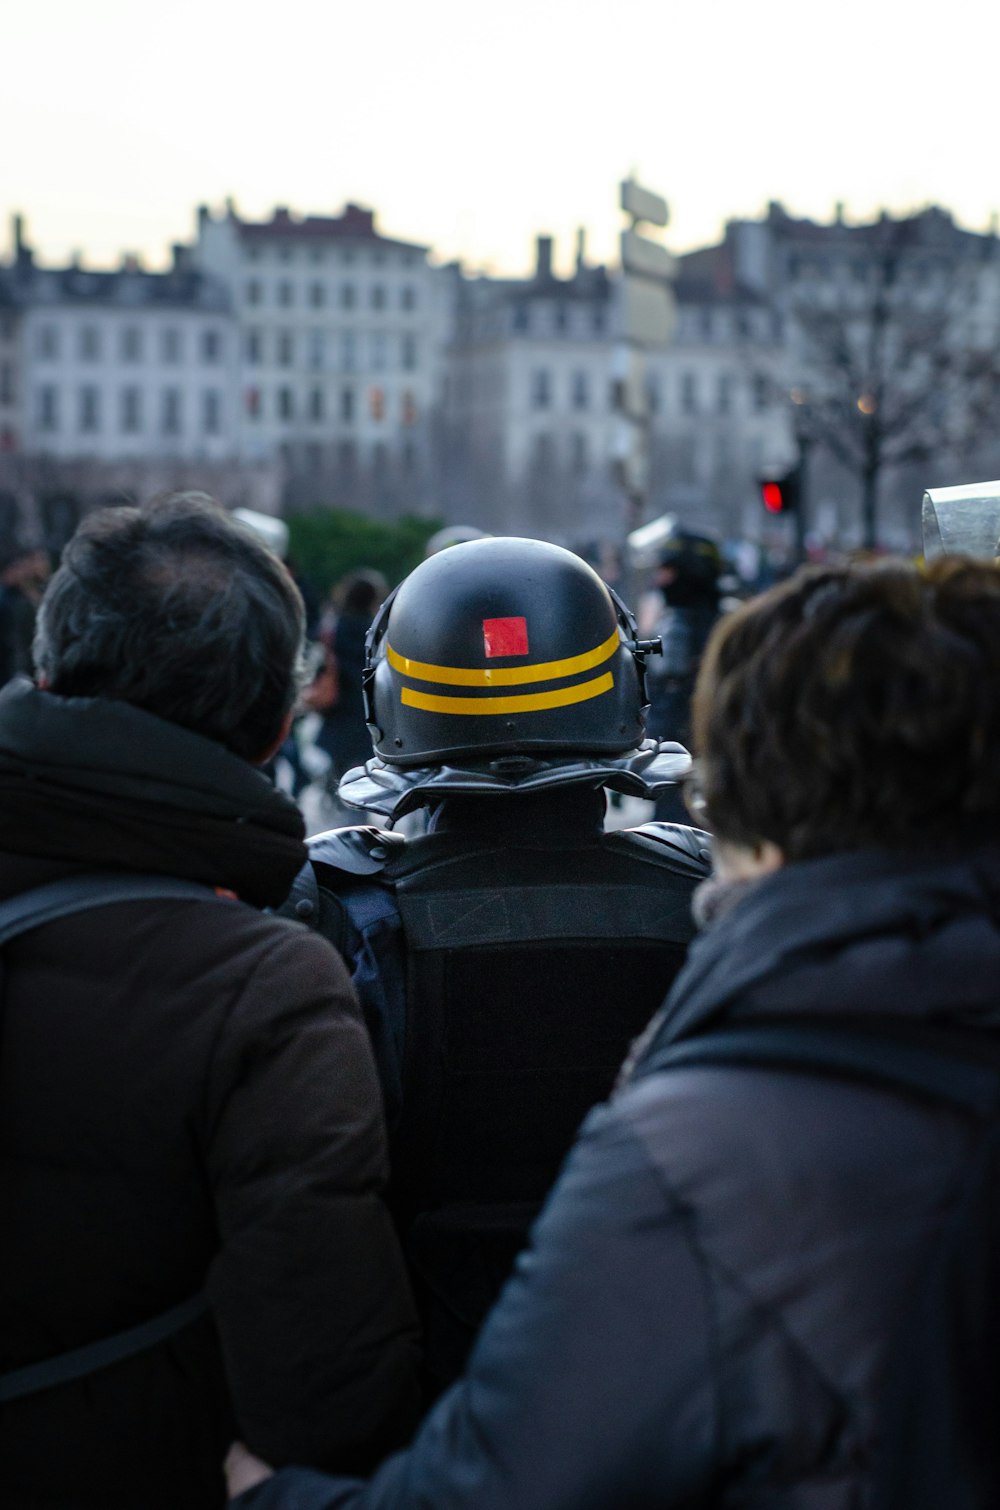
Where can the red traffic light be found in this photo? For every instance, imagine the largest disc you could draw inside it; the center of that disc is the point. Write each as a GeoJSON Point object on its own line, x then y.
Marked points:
{"type": "Point", "coordinates": [780, 495]}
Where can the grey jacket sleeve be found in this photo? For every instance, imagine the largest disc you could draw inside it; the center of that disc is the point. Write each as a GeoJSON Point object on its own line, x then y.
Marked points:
{"type": "Point", "coordinates": [591, 1384]}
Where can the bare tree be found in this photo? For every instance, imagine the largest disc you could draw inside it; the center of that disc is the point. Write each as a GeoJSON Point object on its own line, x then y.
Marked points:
{"type": "Point", "coordinates": [897, 364]}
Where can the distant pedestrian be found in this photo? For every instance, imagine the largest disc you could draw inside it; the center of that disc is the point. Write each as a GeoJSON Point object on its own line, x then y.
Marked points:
{"type": "Point", "coordinates": [344, 733]}
{"type": "Point", "coordinates": [24, 570]}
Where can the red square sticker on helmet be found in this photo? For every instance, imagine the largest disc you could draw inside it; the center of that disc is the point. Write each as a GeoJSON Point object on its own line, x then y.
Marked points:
{"type": "Point", "coordinates": [505, 637]}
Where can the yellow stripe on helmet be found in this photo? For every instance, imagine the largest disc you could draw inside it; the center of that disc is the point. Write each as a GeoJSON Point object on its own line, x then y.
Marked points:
{"type": "Point", "coordinates": [500, 676]}
{"type": "Point", "coordinates": [528, 702]}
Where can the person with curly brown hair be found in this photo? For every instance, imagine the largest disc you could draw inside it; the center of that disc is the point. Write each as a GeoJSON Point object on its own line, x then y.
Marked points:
{"type": "Point", "coordinates": [713, 1308]}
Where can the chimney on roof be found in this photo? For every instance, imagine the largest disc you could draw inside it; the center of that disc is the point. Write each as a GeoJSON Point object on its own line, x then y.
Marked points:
{"type": "Point", "coordinates": [838, 212]}
{"type": "Point", "coordinates": [204, 215]}
{"type": "Point", "coordinates": [581, 249]}
{"type": "Point", "coordinates": [180, 257]}
{"type": "Point", "coordinates": [23, 254]}
{"type": "Point", "coordinates": [281, 215]}
{"type": "Point", "coordinates": [230, 207]}
{"type": "Point", "coordinates": [543, 257]}
{"type": "Point", "coordinates": [357, 218]}
{"type": "Point", "coordinates": [130, 262]}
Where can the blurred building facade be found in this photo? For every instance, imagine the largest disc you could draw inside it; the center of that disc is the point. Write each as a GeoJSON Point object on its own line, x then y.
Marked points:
{"type": "Point", "coordinates": [311, 360]}
{"type": "Point", "coordinates": [339, 361]}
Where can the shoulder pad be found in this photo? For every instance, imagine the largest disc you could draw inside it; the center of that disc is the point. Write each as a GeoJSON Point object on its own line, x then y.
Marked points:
{"type": "Point", "coordinates": [361, 851]}
{"type": "Point", "coordinates": [685, 850]}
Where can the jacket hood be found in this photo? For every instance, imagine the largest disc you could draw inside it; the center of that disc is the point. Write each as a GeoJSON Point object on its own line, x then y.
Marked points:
{"type": "Point", "coordinates": [891, 933]}
{"type": "Point", "coordinates": [96, 782]}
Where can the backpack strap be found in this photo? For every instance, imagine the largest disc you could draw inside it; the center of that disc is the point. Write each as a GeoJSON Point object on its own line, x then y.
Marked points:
{"type": "Point", "coordinates": [20, 914]}
{"type": "Point", "coordinates": [959, 1066]}
{"type": "Point", "coordinates": [82, 1361]}
{"type": "Point", "coordinates": [57, 899]}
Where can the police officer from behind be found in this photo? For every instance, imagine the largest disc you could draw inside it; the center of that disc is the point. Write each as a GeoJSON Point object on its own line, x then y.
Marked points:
{"type": "Point", "coordinates": [506, 957]}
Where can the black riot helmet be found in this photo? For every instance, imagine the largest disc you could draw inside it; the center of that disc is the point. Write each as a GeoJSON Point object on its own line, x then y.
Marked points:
{"type": "Point", "coordinates": [503, 647]}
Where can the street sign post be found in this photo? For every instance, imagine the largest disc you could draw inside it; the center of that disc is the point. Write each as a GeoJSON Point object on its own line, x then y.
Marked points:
{"type": "Point", "coordinates": [647, 320]}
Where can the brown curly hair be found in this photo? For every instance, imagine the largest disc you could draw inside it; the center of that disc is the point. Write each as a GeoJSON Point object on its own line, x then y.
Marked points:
{"type": "Point", "coordinates": [853, 706]}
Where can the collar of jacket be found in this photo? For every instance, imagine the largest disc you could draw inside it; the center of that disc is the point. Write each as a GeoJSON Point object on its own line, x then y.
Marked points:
{"type": "Point", "coordinates": [892, 932]}
{"type": "Point", "coordinates": [96, 782]}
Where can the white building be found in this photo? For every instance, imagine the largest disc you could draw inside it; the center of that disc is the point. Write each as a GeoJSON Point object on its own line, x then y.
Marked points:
{"type": "Point", "coordinates": [532, 428]}
{"type": "Point", "coordinates": [339, 363]}
{"type": "Point", "coordinates": [125, 365]}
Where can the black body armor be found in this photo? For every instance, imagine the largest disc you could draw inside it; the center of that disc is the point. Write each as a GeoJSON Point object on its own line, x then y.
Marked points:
{"type": "Point", "coordinates": [530, 961]}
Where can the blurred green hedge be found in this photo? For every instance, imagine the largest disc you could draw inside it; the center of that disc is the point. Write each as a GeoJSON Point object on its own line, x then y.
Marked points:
{"type": "Point", "coordinates": [326, 544]}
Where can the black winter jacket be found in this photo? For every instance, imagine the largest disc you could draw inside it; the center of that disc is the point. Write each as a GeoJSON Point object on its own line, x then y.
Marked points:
{"type": "Point", "coordinates": [187, 1099]}
{"type": "Point", "coordinates": [702, 1318]}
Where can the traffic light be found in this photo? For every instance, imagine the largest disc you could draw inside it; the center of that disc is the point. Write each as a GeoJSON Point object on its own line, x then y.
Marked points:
{"type": "Point", "coordinates": [780, 495]}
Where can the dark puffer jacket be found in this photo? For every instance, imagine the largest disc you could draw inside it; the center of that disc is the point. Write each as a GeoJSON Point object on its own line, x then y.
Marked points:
{"type": "Point", "coordinates": [187, 1099]}
{"type": "Point", "coordinates": [702, 1317]}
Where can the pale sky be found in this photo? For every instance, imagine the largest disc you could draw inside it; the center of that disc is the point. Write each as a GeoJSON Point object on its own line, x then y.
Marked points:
{"type": "Point", "coordinates": [473, 127]}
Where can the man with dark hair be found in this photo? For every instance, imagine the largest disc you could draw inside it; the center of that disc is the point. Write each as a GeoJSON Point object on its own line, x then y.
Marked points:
{"type": "Point", "coordinates": [191, 1143]}
{"type": "Point", "coordinates": [767, 1275]}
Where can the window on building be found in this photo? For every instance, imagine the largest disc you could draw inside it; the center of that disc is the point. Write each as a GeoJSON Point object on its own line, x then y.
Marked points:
{"type": "Point", "coordinates": [90, 343]}
{"type": "Point", "coordinates": [347, 405]}
{"type": "Point", "coordinates": [347, 455]}
{"type": "Point", "coordinates": [578, 451]}
{"type": "Point", "coordinates": [378, 351]}
{"type": "Point", "coordinates": [654, 395]}
{"type": "Point", "coordinates": [706, 323]}
{"type": "Point", "coordinates": [211, 345]}
{"type": "Point", "coordinates": [521, 318]}
{"type": "Point", "coordinates": [253, 348]}
{"type": "Point", "coordinates": [378, 296]}
{"type": "Point", "coordinates": [286, 348]}
{"type": "Point", "coordinates": [316, 404]}
{"type": "Point", "coordinates": [347, 296]}
{"type": "Point", "coordinates": [581, 390]}
{"type": "Point", "coordinates": [254, 291]}
{"type": "Point", "coordinates": [171, 345]}
{"type": "Point", "coordinates": [317, 295]}
{"type": "Point", "coordinates": [170, 411]}
{"type": "Point", "coordinates": [408, 456]}
{"type": "Point", "coordinates": [252, 402]}
{"type": "Point", "coordinates": [761, 389]}
{"type": "Point", "coordinates": [724, 393]}
{"type": "Point", "coordinates": [286, 404]}
{"type": "Point", "coordinates": [286, 293]}
{"type": "Point", "coordinates": [131, 411]}
{"type": "Point", "coordinates": [408, 296]}
{"type": "Point", "coordinates": [541, 388]}
{"type": "Point", "coordinates": [380, 457]}
{"type": "Point", "coordinates": [131, 344]}
{"type": "Point", "coordinates": [543, 451]}
{"type": "Point", "coordinates": [409, 353]}
{"type": "Point", "coordinates": [599, 321]}
{"type": "Point", "coordinates": [561, 320]}
{"type": "Point", "coordinates": [317, 350]}
{"type": "Point", "coordinates": [89, 409]}
{"type": "Point", "coordinates": [348, 351]}
{"type": "Point", "coordinates": [47, 342]}
{"type": "Point", "coordinates": [689, 393]}
{"type": "Point", "coordinates": [47, 409]}
{"type": "Point", "coordinates": [6, 382]}
{"type": "Point", "coordinates": [211, 411]}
